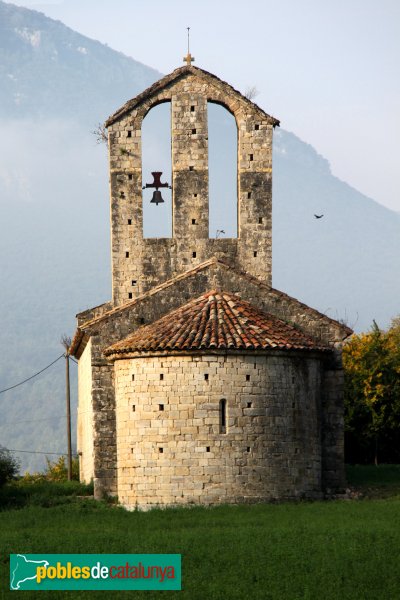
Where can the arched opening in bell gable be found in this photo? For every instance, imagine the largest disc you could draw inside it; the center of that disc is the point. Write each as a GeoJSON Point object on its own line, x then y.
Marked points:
{"type": "Point", "coordinates": [222, 172]}
{"type": "Point", "coordinates": [156, 158]}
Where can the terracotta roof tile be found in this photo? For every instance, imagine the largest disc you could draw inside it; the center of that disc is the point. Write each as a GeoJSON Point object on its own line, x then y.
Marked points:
{"type": "Point", "coordinates": [216, 320]}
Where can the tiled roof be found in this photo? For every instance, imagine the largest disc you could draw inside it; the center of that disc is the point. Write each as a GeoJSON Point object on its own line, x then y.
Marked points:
{"type": "Point", "coordinates": [216, 320]}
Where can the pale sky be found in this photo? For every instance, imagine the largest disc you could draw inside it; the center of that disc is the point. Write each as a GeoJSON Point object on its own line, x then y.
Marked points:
{"type": "Point", "coordinates": [328, 69]}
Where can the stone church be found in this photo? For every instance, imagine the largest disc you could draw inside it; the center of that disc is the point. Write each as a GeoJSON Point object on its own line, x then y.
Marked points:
{"type": "Point", "coordinates": [199, 383]}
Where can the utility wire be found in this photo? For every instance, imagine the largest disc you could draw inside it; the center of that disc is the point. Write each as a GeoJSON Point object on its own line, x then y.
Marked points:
{"type": "Point", "coordinates": [32, 376]}
{"type": "Point", "coordinates": [36, 452]}
{"type": "Point", "coordinates": [33, 420]}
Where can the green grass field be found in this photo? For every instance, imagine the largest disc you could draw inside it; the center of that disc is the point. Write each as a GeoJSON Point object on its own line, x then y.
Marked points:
{"type": "Point", "coordinates": [293, 551]}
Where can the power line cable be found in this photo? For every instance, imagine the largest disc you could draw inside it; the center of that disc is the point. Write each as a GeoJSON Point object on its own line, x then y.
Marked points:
{"type": "Point", "coordinates": [37, 452]}
{"type": "Point", "coordinates": [33, 420]}
{"type": "Point", "coordinates": [32, 376]}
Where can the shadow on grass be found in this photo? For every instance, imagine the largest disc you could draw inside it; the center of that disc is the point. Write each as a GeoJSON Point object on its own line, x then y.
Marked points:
{"type": "Point", "coordinates": [44, 493]}
{"type": "Point", "coordinates": [382, 481]}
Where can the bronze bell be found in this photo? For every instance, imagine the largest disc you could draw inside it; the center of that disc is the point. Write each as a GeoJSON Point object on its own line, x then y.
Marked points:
{"type": "Point", "coordinates": [157, 198]}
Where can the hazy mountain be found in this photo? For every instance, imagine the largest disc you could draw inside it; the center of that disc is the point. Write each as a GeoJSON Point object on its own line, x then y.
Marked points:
{"type": "Point", "coordinates": [55, 86]}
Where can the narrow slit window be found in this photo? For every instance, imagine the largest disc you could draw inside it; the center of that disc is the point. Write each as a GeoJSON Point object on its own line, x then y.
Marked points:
{"type": "Point", "coordinates": [161, 407]}
{"type": "Point", "coordinates": [161, 450]}
{"type": "Point", "coordinates": [206, 376]}
{"type": "Point", "coordinates": [161, 376]}
{"type": "Point", "coordinates": [222, 416]}
{"type": "Point", "coordinates": [129, 133]}
{"type": "Point", "coordinates": [256, 127]}
{"type": "Point", "coordinates": [193, 221]}
{"type": "Point", "coordinates": [194, 254]}
{"type": "Point", "coordinates": [130, 295]}
{"type": "Point", "coordinates": [208, 448]}
{"type": "Point", "coordinates": [249, 195]}
{"type": "Point", "coordinates": [133, 377]}
{"type": "Point", "coordinates": [255, 254]}
{"type": "Point", "coordinates": [247, 377]}
{"type": "Point", "coordinates": [122, 194]}
{"type": "Point", "coordinates": [126, 254]}
{"type": "Point", "coordinates": [130, 176]}
{"type": "Point", "coordinates": [192, 108]}
{"type": "Point", "coordinates": [133, 408]}
{"type": "Point", "coordinates": [251, 157]}
{"type": "Point", "coordinates": [260, 220]}
{"type": "Point", "coordinates": [129, 221]}
{"type": "Point", "coordinates": [193, 131]}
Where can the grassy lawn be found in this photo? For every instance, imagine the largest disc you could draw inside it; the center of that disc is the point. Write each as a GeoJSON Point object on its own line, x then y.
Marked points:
{"type": "Point", "coordinates": [310, 550]}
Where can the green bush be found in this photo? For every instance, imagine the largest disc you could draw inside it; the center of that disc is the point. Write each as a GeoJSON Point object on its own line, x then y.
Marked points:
{"type": "Point", "coordinates": [55, 471]}
{"type": "Point", "coordinates": [9, 466]}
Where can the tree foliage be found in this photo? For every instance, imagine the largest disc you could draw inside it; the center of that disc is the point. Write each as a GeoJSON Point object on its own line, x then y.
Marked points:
{"type": "Point", "coordinates": [372, 395]}
{"type": "Point", "coordinates": [9, 466]}
{"type": "Point", "coordinates": [56, 471]}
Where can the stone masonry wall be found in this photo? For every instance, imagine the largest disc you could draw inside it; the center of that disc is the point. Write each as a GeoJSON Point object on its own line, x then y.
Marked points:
{"type": "Point", "coordinates": [170, 446]}
{"type": "Point", "coordinates": [139, 264]}
{"type": "Point", "coordinates": [122, 322]}
{"type": "Point", "coordinates": [85, 424]}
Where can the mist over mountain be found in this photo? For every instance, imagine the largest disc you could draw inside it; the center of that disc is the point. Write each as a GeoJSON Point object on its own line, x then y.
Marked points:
{"type": "Point", "coordinates": [55, 86]}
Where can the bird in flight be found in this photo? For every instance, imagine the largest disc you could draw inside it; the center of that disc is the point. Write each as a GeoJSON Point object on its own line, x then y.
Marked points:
{"type": "Point", "coordinates": [318, 216]}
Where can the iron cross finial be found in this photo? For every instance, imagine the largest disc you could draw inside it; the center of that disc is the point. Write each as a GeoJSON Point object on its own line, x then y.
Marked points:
{"type": "Point", "coordinates": [188, 58]}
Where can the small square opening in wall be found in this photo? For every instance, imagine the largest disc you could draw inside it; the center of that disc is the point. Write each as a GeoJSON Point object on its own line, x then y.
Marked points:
{"type": "Point", "coordinates": [133, 408]}
{"type": "Point", "coordinates": [130, 176]}
{"type": "Point", "coordinates": [249, 404]}
{"type": "Point", "coordinates": [192, 108]}
{"type": "Point", "coordinates": [247, 377]}
{"type": "Point", "coordinates": [191, 168]}
{"type": "Point", "coordinates": [260, 220]}
{"type": "Point", "coordinates": [248, 195]}
{"type": "Point", "coordinates": [161, 407]}
{"type": "Point", "coordinates": [194, 254]}
{"type": "Point", "coordinates": [256, 127]}
{"type": "Point", "coordinates": [255, 253]}
{"type": "Point", "coordinates": [130, 295]}
{"type": "Point", "coordinates": [161, 376]}
{"type": "Point", "coordinates": [208, 449]}
{"type": "Point", "coordinates": [122, 194]}
{"type": "Point", "coordinates": [248, 449]}
{"type": "Point", "coordinates": [161, 450]}
{"type": "Point", "coordinates": [129, 221]}
{"type": "Point", "coordinates": [141, 320]}
{"type": "Point", "coordinates": [193, 131]}
{"type": "Point", "coordinates": [206, 376]}
{"type": "Point", "coordinates": [193, 221]}
{"type": "Point", "coordinates": [134, 282]}
{"type": "Point", "coordinates": [194, 195]}
{"type": "Point", "coordinates": [129, 133]}
{"type": "Point", "coordinates": [251, 157]}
